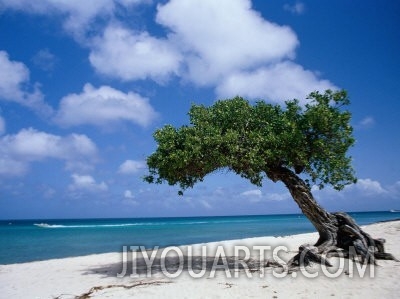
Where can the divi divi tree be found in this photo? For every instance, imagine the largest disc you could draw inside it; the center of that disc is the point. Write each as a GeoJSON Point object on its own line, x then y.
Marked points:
{"type": "Point", "coordinates": [300, 146]}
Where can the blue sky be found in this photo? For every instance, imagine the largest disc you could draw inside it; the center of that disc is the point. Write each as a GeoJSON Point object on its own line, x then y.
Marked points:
{"type": "Point", "coordinates": [84, 84]}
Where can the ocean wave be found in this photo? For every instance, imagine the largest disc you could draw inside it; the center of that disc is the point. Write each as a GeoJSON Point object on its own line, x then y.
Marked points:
{"type": "Point", "coordinates": [165, 223]}
{"type": "Point", "coordinates": [46, 225]}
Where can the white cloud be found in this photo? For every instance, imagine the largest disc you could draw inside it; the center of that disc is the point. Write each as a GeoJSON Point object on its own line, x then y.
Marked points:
{"type": "Point", "coordinates": [129, 199]}
{"type": "Point", "coordinates": [128, 194]}
{"type": "Point", "coordinates": [85, 9]}
{"type": "Point", "coordinates": [297, 8]}
{"type": "Point", "coordinates": [29, 145]}
{"type": "Point", "coordinates": [86, 183]}
{"type": "Point", "coordinates": [278, 83]}
{"type": "Point", "coordinates": [110, 106]}
{"type": "Point", "coordinates": [131, 167]}
{"type": "Point", "coordinates": [218, 37]}
{"type": "Point", "coordinates": [77, 15]}
{"type": "Point", "coordinates": [366, 122]}
{"type": "Point", "coordinates": [14, 79]}
{"type": "Point", "coordinates": [12, 75]}
{"type": "Point", "coordinates": [256, 195]}
{"type": "Point", "coordinates": [224, 44]}
{"type": "Point", "coordinates": [132, 55]}
{"type": "Point", "coordinates": [11, 167]}
{"type": "Point", "coordinates": [34, 145]}
{"type": "Point", "coordinates": [370, 187]}
{"type": "Point", "coordinates": [363, 188]}
{"type": "Point", "coordinates": [252, 193]}
{"type": "Point", "coordinates": [366, 194]}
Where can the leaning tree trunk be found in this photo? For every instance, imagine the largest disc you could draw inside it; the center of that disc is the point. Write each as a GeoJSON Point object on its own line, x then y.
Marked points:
{"type": "Point", "coordinates": [336, 230]}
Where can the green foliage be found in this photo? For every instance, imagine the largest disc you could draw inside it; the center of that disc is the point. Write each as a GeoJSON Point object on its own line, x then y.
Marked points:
{"type": "Point", "coordinates": [252, 140]}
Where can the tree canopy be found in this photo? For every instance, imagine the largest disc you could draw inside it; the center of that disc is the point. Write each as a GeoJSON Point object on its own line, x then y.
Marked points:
{"type": "Point", "coordinates": [280, 143]}
{"type": "Point", "coordinates": [253, 140]}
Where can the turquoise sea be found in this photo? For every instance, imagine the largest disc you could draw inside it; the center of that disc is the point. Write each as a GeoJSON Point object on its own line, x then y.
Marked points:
{"type": "Point", "coordinates": [33, 240]}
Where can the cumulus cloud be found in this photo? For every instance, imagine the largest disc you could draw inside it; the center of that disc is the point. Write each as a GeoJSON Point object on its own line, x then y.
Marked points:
{"type": "Point", "coordinates": [223, 44]}
{"type": "Point", "coordinates": [110, 106]}
{"type": "Point", "coordinates": [12, 75]}
{"type": "Point", "coordinates": [363, 188]}
{"type": "Point", "coordinates": [131, 167]}
{"type": "Point", "coordinates": [131, 55]}
{"type": "Point", "coordinates": [252, 193]}
{"type": "Point", "coordinates": [370, 187]}
{"type": "Point", "coordinates": [86, 183]}
{"type": "Point", "coordinates": [367, 194]}
{"type": "Point", "coordinates": [14, 79]}
{"type": "Point", "coordinates": [277, 83]}
{"type": "Point", "coordinates": [29, 145]}
{"type": "Point", "coordinates": [219, 37]}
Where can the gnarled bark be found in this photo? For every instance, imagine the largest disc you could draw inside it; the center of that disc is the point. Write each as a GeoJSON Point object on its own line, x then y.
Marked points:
{"type": "Point", "coordinates": [336, 230]}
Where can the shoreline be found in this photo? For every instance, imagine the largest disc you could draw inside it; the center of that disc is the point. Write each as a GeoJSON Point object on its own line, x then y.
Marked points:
{"type": "Point", "coordinates": [71, 277]}
{"type": "Point", "coordinates": [188, 244]}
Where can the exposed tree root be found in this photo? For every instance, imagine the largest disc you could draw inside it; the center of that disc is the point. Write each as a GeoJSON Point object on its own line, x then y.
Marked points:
{"type": "Point", "coordinates": [346, 240]}
{"type": "Point", "coordinates": [95, 289]}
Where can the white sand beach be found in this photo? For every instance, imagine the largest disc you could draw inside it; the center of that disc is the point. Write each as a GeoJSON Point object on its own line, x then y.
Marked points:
{"type": "Point", "coordinates": [96, 276]}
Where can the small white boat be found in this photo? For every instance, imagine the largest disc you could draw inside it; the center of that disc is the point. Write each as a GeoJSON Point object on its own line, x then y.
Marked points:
{"type": "Point", "coordinates": [394, 211]}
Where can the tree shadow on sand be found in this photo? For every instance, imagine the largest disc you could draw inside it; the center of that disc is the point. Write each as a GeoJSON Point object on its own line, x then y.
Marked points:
{"type": "Point", "coordinates": [171, 265]}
